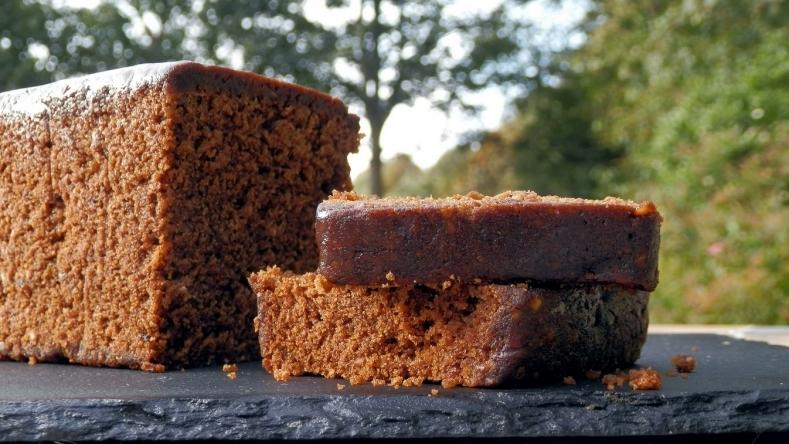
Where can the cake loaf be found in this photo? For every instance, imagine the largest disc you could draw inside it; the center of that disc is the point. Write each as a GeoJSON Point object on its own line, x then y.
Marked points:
{"type": "Point", "coordinates": [511, 236]}
{"type": "Point", "coordinates": [459, 334]}
{"type": "Point", "coordinates": [134, 203]}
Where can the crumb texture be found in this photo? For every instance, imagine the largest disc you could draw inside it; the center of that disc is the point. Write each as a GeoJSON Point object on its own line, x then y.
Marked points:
{"type": "Point", "coordinates": [471, 335]}
{"type": "Point", "coordinates": [134, 204]}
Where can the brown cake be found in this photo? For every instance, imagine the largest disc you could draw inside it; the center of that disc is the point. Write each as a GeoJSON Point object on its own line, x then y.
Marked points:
{"type": "Point", "coordinates": [134, 203]}
{"type": "Point", "coordinates": [459, 333]}
{"type": "Point", "coordinates": [512, 236]}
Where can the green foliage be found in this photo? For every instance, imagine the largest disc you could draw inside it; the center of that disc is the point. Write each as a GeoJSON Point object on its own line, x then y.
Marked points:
{"type": "Point", "coordinates": [684, 103]}
{"type": "Point", "coordinates": [710, 78]}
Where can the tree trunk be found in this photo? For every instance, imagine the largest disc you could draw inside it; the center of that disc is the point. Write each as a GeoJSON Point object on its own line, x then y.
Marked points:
{"type": "Point", "coordinates": [376, 181]}
{"type": "Point", "coordinates": [375, 111]}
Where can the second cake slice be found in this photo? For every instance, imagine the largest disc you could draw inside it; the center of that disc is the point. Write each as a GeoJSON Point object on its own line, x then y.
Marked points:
{"type": "Point", "coordinates": [515, 235]}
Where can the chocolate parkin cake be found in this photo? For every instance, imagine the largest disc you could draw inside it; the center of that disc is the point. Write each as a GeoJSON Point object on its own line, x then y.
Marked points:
{"type": "Point", "coordinates": [470, 290]}
{"type": "Point", "coordinates": [134, 203]}
{"type": "Point", "coordinates": [512, 236]}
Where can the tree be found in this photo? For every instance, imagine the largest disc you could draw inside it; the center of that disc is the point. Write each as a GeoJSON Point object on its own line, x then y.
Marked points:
{"type": "Point", "coordinates": [386, 53]}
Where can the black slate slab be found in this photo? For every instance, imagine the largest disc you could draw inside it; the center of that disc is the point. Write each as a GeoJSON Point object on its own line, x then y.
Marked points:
{"type": "Point", "coordinates": [739, 387]}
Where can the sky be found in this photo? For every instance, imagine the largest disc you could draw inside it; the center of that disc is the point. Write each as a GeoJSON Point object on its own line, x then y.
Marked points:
{"type": "Point", "coordinates": [418, 129]}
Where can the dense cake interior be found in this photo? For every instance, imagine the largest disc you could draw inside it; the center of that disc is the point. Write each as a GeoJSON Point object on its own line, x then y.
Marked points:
{"type": "Point", "coordinates": [80, 207]}
{"type": "Point", "coordinates": [249, 167]}
{"type": "Point", "coordinates": [474, 335]}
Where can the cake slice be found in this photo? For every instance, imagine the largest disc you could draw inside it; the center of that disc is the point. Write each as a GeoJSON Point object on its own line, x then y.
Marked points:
{"type": "Point", "coordinates": [512, 236]}
{"type": "Point", "coordinates": [459, 334]}
{"type": "Point", "coordinates": [134, 203]}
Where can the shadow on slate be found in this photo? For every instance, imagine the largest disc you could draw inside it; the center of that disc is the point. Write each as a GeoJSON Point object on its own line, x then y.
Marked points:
{"type": "Point", "coordinates": [739, 387]}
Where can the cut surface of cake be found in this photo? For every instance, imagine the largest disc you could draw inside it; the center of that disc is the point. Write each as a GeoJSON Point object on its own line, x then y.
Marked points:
{"type": "Point", "coordinates": [459, 333]}
{"type": "Point", "coordinates": [511, 236]}
{"type": "Point", "coordinates": [134, 203]}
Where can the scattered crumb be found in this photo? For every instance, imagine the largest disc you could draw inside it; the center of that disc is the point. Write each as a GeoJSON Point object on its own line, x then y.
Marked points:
{"type": "Point", "coordinates": [474, 195]}
{"type": "Point", "coordinates": [378, 382]}
{"type": "Point", "coordinates": [31, 361]}
{"type": "Point", "coordinates": [568, 380]}
{"type": "Point", "coordinates": [726, 342]}
{"type": "Point", "coordinates": [151, 367]}
{"type": "Point", "coordinates": [448, 383]}
{"type": "Point", "coordinates": [446, 284]}
{"type": "Point", "coordinates": [645, 209]}
{"type": "Point", "coordinates": [593, 374]}
{"type": "Point", "coordinates": [614, 380]}
{"type": "Point", "coordinates": [644, 379]}
{"type": "Point", "coordinates": [231, 370]}
{"type": "Point", "coordinates": [413, 381]}
{"type": "Point", "coordinates": [390, 276]}
{"type": "Point", "coordinates": [434, 392]}
{"type": "Point", "coordinates": [684, 363]}
{"type": "Point", "coordinates": [340, 386]}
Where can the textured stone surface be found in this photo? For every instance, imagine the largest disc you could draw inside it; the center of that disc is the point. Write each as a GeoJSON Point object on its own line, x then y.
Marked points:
{"type": "Point", "coordinates": [739, 386]}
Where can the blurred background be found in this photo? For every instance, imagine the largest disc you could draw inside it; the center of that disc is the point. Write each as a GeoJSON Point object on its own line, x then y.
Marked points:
{"type": "Point", "coordinates": [683, 102]}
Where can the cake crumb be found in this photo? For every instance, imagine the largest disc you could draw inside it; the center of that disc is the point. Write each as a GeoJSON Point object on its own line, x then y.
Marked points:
{"type": "Point", "coordinates": [449, 383]}
{"type": "Point", "coordinates": [151, 367]}
{"type": "Point", "coordinates": [434, 392]}
{"type": "Point", "coordinates": [645, 209]}
{"type": "Point", "coordinates": [593, 374]}
{"type": "Point", "coordinates": [340, 386]}
{"type": "Point", "coordinates": [535, 303]}
{"type": "Point", "coordinates": [31, 361]}
{"type": "Point", "coordinates": [390, 276]}
{"type": "Point", "coordinates": [644, 379]}
{"type": "Point", "coordinates": [231, 370]}
{"type": "Point", "coordinates": [614, 380]}
{"type": "Point", "coordinates": [568, 380]}
{"type": "Point", "coordinates": [378, 382]}
{"type": "Point", "coordinates": [446, 284]}
{"type": "Point", "coordinates": [684, 363]}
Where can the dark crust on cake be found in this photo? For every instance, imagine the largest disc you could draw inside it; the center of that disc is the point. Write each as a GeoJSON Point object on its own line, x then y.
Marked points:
{"type": "Point", "coordinates": [513, 236]}
{"type": "Point", "coordinates": [488, 334]}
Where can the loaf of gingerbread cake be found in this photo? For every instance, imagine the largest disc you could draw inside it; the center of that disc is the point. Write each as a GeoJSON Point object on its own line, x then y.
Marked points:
{"type": "Point", "coordinates": [512, 236]}
{"type": "Point", "coordinates": [458, 333]}
{"type": "Point", "coordinates": [134, 203]}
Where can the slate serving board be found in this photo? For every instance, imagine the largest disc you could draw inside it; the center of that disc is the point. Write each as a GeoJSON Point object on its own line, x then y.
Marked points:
{"type": "Point", "coordinates": [739, 387]}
